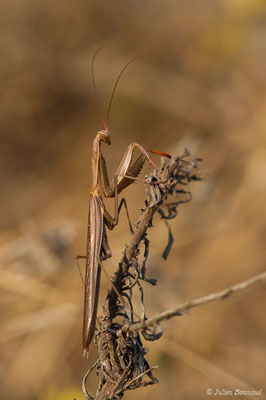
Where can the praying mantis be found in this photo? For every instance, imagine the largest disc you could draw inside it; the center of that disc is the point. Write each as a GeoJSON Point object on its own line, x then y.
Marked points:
{"type": "Point", "coordinates": [98, 219]}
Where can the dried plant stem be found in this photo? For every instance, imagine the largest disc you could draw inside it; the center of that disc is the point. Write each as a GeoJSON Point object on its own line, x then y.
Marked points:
{"type": "Point", "coordinates": [130, 252]}
{"type": "Point", "coordinates": [221, 295]}
{"type": "Point", "coordinates": [122, 363]}
{"type": "Point", "coordinates": [167, 178]}
{"type": "Point", "coordinates": [113, 370]}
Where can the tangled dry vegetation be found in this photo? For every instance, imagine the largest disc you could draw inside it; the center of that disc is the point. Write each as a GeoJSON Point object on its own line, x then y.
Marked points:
{"type": "Point", "coordinates": [122, 364]}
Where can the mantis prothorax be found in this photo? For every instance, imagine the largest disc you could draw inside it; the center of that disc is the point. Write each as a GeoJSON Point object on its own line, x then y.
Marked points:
{"type": "Point", "coordinates": [97, 244]}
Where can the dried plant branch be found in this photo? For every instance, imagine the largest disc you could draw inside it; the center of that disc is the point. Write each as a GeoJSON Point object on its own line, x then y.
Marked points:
{"type": "Point", "coordinates": [159, 186]}
{"type": "Point", "coordinates": [122, 364]}
{"type": "Point", "coordinates": [183, 308]}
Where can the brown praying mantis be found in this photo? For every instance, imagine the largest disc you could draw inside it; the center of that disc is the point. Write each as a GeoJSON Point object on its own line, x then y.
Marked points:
{"type": "Point", "coordinates": [97, 243]}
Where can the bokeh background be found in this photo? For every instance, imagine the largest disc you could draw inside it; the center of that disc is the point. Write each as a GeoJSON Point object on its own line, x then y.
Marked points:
{"type": "Point", "coordinates": [201, 84]}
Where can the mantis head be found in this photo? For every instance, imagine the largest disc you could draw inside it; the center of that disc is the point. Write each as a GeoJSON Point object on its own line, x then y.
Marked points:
{"type": "Point", "coordinates": [105, 136]}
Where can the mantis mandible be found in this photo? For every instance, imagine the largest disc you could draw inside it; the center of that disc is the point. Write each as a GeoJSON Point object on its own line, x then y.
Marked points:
{"type": "Point", "coordinates": [97, 243]}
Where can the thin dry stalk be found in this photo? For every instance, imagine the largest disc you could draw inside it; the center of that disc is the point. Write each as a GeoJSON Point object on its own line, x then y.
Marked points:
{"type": "Point", "coordinates": [122, 364]}
{"type": "Point", "coordinates": [183, 308]}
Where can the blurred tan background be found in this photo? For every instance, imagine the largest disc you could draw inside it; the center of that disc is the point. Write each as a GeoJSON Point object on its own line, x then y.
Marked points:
{"type": "Point", "coordinates": [200, 83]}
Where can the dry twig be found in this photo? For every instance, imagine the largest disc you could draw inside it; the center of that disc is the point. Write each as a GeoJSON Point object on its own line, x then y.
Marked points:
{"type": "Point", "coordinates": [122, 364]}
{"type": "Point", "coordinates": [183, 308]}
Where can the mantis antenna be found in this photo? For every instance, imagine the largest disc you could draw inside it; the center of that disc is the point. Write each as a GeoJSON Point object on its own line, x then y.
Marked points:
{"type": "Point", "coordinates": [106, 124]}
{"type": "Point", "coordinates": [94, 87]}
{"type": "Point", "coordinates": [115, 86]}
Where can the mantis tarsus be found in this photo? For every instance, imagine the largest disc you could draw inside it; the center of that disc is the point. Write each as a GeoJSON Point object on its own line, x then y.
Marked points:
{"type": "Point", "coordinates": [97, 244]}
